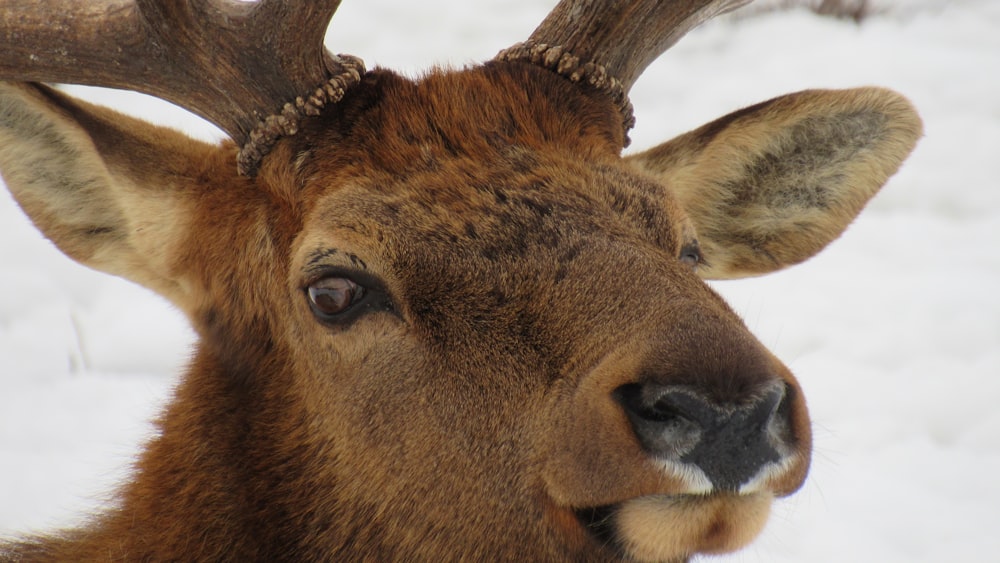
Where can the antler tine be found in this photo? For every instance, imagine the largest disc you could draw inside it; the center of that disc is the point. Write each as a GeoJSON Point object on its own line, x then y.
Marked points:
{"type": "Point", "coordinates": [253, 69]}
{"type": "Point", "coordinates": [608, 43]}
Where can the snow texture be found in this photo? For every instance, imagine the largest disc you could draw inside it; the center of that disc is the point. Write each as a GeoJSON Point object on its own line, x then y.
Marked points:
{"type": "Point", "coordinates": [894, 331]}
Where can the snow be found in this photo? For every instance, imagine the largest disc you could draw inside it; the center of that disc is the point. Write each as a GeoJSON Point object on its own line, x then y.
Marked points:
{"type": "Point", "coordinates": [894, 331]}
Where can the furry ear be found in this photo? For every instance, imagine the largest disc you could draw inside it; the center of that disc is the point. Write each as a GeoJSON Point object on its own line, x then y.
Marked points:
{"type": "Point", "coordinates": [770, 185]}
{"type": "Point", "coordinates": [112, 192]}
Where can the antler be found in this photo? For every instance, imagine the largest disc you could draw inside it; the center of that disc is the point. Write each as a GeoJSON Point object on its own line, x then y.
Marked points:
{"type": "Point", "coordinates": [608, 43]}
{"type": "Point", "coordinates": [252, 68]}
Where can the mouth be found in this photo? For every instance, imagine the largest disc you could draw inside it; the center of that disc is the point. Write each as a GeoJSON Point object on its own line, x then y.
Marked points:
{"type": "Point", "coordinates": [598, 522]}
{"type": "Point", "coordinates": [673, 528]}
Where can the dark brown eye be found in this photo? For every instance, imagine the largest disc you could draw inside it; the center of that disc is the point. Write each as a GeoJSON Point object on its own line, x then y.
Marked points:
{"type": "Point", "coordinates": [333, 296]}
{"type": "Point", "coordinates": [691, 255]}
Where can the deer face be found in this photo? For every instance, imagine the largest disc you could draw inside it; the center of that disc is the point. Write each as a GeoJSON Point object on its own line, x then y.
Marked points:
{"type": "Point", "coordinates": [447, 319]}
{"type": "Point", "coordinates": [501, 333]}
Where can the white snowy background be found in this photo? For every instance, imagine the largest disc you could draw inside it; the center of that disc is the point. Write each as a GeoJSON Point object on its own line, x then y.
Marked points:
{"type": "Point", "coordinates": [894, 331]}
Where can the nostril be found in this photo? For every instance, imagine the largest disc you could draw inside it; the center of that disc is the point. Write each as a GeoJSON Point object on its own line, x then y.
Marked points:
{"type": "Point", "coordinates": [773, 402]}
{"type": "Point", "coordinates": [778, 423]}
{"type": "Point", "coordinates": [662, 418]}
{"type": "Point", "coordinates": [656, 408]}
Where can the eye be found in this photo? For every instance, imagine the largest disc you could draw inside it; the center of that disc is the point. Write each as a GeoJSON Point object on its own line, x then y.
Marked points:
{"type": "Point", "coordinates": [333, 296]}
{"type": "Point", "coordinates": [691, 255]}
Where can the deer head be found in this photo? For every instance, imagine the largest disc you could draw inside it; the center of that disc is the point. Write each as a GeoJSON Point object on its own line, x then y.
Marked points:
{"type": "Point", "coordinates": [438, 318]}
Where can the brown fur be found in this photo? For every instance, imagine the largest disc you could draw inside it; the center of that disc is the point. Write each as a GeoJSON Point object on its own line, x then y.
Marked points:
{"type": "Point", "coordinates": [524, 271]}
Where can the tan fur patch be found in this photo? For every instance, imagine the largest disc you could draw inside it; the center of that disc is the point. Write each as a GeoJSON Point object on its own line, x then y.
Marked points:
{"type": "Point", "coordinates": [696, 525]}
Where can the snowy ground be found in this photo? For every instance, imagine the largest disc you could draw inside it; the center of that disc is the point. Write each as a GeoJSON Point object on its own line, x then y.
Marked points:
{"type": "Point", "coordinates": [894, 331]}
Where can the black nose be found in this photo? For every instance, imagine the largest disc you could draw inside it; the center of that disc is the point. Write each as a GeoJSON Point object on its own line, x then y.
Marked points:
{"type": "Point", "coordinates": [729, 442]}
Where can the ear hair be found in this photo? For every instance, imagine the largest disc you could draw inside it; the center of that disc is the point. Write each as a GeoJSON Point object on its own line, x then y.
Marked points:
{"type": "Point", "coordinates": [112, 192]}
{"type": "Point", "coordinates": [771, 185]}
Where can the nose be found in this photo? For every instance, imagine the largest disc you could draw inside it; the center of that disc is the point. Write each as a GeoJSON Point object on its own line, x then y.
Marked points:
{"type": "Point", "coordinates": [730, 442]}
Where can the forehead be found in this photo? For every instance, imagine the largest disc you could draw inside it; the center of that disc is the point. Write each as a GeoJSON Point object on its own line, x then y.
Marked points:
{"type": "Point", "coordinates": [484, 201]}
{"type": "Point", "coordinates": [493, 163]}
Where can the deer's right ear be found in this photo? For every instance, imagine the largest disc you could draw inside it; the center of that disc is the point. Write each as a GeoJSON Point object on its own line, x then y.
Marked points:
{"type": "Point", "coordinates": [112, 192]}
{"type": "Point", "coordinates": [771, 185]}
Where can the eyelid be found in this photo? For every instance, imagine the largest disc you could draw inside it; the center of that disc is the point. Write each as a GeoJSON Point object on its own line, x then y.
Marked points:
{"type": "Point", "coordinates": [689, 248]}
{"type": "Point", "coordinates": [360, 277]}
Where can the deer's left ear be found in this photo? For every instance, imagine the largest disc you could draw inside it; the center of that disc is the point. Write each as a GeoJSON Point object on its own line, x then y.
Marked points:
{"type": "Point", "coordinates": [771, 185]}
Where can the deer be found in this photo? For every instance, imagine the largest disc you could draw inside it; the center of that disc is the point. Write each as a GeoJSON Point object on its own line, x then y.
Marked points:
{"type": "Point", "coordinates": [438, 318]}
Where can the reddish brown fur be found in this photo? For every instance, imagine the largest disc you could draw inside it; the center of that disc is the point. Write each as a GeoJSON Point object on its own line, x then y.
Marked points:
{"type": "Point", "coordinates": [528, 272]}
